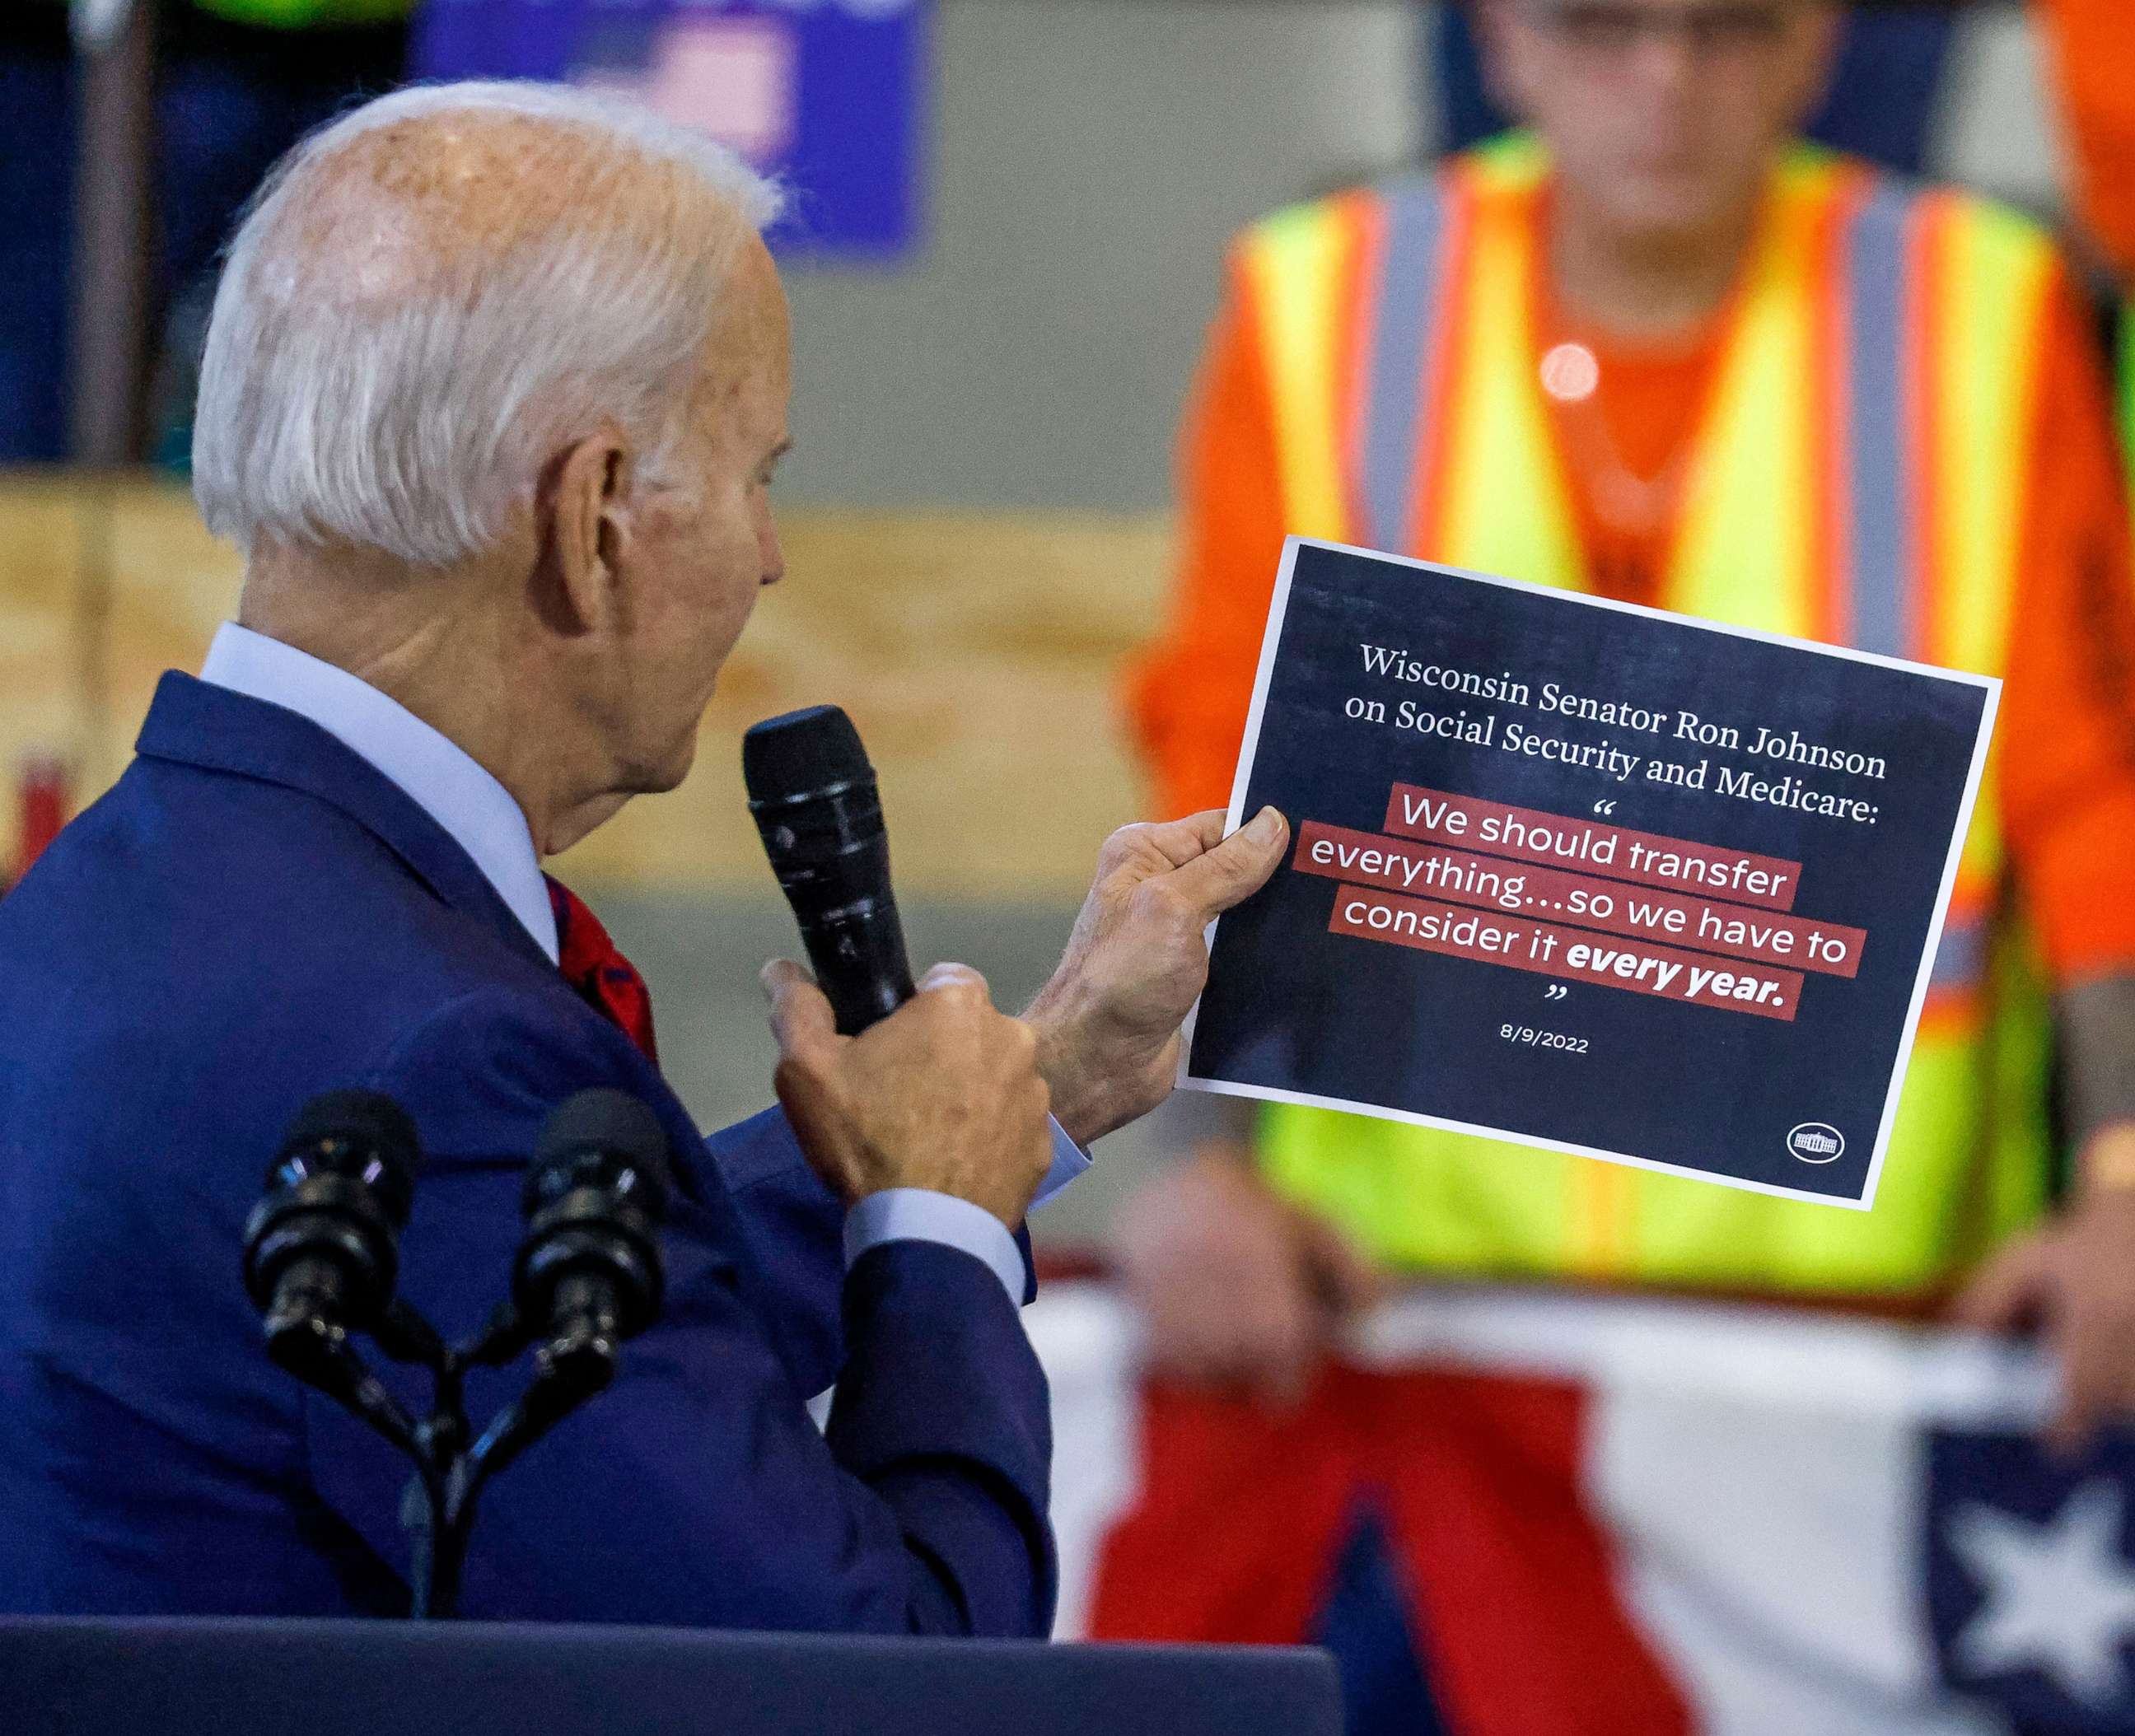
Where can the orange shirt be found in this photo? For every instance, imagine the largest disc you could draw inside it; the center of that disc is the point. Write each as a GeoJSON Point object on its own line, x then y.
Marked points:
{"type": "Point", "coordinates": [2091, 46]}
{"type": "Point", "coordinates": [1623, 431]}
{"type": "Point", "coordinates": [2066, 733]}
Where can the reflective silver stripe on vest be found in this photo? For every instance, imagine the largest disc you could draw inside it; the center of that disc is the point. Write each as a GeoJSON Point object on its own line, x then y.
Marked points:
{"type": "Point", "coordinates": [1880, 480]}
{"type": "Point", "coordinates": [1883, 485]}
{"type": "Point", "coordinates": [1960, 960]}
{"type": "Point", "coordinates": [1404, 326]}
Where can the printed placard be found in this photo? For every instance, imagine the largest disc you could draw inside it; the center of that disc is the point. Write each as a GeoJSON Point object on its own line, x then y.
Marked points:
{"type": "Point", "coordinates": [1592, 877]}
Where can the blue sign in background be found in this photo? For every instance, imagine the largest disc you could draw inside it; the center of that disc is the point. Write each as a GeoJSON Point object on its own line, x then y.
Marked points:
{"type": "Point", "coordinates": [1291, 1008]}
{"type": "Point", "coordinates": [853, 158]}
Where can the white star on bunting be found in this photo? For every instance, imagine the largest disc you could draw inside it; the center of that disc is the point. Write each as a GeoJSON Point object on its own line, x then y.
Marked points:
{"type": "Point", "coordinates": [2060, 1597]}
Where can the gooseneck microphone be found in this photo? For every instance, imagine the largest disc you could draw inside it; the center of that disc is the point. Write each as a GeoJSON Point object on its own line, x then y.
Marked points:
{"type": "Point", "coordinates": [322, 1247]}
{"type": "Point", "coordinates": [322, 1252]}
{"type": "Point", "coordinates": [587, 1275]}
{"type": "Point", "coordinates": [812, 793]}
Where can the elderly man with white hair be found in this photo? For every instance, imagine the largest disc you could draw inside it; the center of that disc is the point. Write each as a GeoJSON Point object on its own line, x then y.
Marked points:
{"type": "Point", "coordinates": [495, 383]}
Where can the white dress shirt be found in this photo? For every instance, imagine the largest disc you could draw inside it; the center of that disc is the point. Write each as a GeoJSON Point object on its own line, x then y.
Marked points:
{"type": "Point", "coordinates": [481, 816]}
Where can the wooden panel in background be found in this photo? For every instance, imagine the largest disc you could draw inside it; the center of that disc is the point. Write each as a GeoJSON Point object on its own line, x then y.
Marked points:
{"type": "Point", "coordinates": [979, 654]}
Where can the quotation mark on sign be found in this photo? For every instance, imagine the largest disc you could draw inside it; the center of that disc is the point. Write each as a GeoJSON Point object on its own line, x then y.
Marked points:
{"type": "Point", "coordinates": [1605, 807]}
{"type": "Point", "coordinates": [1555, 992]}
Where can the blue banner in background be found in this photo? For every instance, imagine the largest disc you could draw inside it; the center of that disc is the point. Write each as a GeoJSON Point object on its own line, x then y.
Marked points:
{"type": "Point", "coordinates": [827, 95]}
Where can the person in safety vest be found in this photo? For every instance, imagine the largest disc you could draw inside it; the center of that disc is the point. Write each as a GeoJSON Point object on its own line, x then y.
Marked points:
{"type": "Point", "coordinates": [2087, 42]}
{"type": "Point", "coordinates": [1653, 347]}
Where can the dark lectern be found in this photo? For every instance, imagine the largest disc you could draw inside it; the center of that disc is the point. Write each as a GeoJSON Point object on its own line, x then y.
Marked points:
{"type": "Point", "coordinates": [87, 1677]}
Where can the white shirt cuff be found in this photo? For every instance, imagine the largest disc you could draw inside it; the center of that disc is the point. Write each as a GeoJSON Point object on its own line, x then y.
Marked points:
{"type": "Point", "coordinates": [920, 1214]}
{"type": "Point", "coordinates": [1069, 1160]}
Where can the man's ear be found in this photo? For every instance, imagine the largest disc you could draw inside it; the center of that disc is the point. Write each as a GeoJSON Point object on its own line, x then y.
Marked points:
{"type": "Point", "coordinates": [581, 509]}
{"type": "Point", "coordinates": [1819, 62]}
{"type": "Point", "coordinates": [1497, 56]}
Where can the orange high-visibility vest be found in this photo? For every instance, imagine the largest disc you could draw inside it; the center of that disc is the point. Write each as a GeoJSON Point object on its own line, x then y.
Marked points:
{"type": "Point", "coordinates": [1859, 477]}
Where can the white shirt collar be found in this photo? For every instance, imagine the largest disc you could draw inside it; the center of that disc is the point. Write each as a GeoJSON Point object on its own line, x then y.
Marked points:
{"type": "Point", "coordinates": [437, 774]}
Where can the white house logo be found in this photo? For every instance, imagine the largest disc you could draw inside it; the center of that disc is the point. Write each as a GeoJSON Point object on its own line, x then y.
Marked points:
{"type": "Point", "coordinates": [1816, 1142]}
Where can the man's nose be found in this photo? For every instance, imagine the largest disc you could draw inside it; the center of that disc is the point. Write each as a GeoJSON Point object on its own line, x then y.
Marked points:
{"type": "Point", "coordinates": [1666, 57]}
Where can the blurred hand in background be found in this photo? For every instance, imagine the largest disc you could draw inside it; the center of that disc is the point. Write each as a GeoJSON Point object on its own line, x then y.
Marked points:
{"type": "Point", "coordinates": [1237, 1287]}
{"type": "Point", "coordinates": [2072, 1281]}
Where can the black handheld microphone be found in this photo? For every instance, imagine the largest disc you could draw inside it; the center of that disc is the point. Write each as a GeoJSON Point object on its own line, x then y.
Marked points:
{"type": "Point", "coordinates": [322, 1247]}
{"type": "Point", "coordinates": [813, 795]}
{"type": "Point", "coordinates": [587, 1275]}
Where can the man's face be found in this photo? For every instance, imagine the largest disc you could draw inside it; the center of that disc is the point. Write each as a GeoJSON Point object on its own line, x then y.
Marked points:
{"type": "Point", "coordinates": [703, 547]}
{"type": "Point", "coordinates": [1661, 114]}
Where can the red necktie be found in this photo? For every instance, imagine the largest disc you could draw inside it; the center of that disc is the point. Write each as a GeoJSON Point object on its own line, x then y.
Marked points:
{"type": "Point", "coordinates": [604, 980]}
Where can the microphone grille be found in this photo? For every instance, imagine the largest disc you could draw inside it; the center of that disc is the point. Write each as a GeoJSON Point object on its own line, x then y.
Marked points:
{"type": "Point", "coordinates": [601, 1123]}
{"type": "Point", "coordinates": [802, 753]}
{"type": "Point", "coordinates": [369, 1127]}
{"type": "Point", "coordinates": [369, 1119]}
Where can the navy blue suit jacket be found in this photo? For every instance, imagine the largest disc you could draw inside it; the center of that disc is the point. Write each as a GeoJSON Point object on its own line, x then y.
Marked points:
{"type": "Point", "coordinates": [255, 915]}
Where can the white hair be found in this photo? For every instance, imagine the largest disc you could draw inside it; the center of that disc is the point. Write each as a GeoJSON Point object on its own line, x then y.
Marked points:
{"type": "Point", "coordinates": [365, 384]}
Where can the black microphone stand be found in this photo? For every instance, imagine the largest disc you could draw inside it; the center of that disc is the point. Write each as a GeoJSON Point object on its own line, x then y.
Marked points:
{"type": "Point", "coordinates": [450, 1468]}
{"type": "Point", "coordinates": [322, 1259]}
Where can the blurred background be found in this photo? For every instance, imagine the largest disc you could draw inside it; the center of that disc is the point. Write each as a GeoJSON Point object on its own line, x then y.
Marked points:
{"type": "Point", "coordinates": [1007, 245]}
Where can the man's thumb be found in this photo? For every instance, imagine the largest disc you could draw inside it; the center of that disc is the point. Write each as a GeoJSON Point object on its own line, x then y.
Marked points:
{"type": "Point", "coordinates": [1237, 868]}
{"type": "Point", "coordinates": [801, 1016]}
{"type": "Point", "coordinates": [2006, 1296]}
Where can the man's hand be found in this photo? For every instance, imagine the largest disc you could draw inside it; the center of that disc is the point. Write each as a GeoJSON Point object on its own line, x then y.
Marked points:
{"type": "Point", "coordinates": [1108, 1022]}
{"type": "Point", "coordinates": [1236, 1287]}
{"type": "Point", "coordinates": [2074, 1280]}
{"type": "Point", "coordinates": [943, 1094]}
